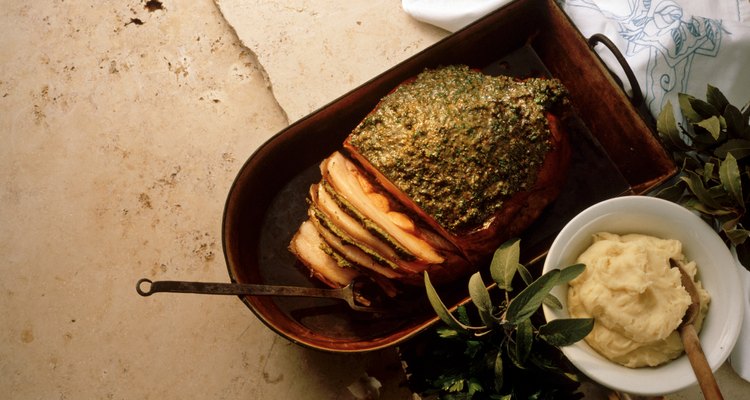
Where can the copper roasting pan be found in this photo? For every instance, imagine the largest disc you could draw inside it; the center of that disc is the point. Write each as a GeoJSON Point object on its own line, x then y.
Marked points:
{"type": "Point", "coordinates": [615, 153]}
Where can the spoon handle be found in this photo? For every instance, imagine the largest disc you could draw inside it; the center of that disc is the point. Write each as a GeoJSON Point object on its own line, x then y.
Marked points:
{"type": "Point", "coordinates": [698, 361]}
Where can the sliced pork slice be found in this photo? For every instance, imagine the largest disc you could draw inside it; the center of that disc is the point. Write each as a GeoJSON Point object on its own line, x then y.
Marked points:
{"type": "Point", "coordinates": [309, 247]}
{"type": "Point", "coordinates": [363, 238]}
{"type": "Point", "coordinates": [346, 179]}
{"type": "Point", "coordinates": [350, 252]}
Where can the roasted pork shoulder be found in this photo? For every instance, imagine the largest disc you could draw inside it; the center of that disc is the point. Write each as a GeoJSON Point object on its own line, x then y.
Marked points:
{"type": "Point", "coordinates": [447, 167]}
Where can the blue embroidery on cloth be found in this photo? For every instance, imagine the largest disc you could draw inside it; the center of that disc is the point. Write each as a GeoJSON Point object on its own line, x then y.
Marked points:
{"type": "Point", "coordinates": [671, 39]}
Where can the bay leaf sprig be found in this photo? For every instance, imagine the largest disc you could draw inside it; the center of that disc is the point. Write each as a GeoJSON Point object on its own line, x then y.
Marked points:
{"type": "Point", "coordinates": [507, 333]}
{"type": "Point", "coordinates": [711, 144]}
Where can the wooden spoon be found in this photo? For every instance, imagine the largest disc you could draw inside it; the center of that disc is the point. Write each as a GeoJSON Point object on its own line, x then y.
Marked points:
{"type": "Point", "coordinates": [690, 340]}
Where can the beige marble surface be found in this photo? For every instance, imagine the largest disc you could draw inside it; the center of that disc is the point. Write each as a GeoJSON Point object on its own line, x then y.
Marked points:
{"type": "Point", "coordinates": [315, 51]}
{"type": "Point", "coordinates": [121, 129]}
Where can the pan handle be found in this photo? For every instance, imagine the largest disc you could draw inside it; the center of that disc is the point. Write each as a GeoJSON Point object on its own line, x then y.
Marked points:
{"type": "Point", "coordinates": [637, 97]}
{"type": "Point", "coordinates": [146, 287]}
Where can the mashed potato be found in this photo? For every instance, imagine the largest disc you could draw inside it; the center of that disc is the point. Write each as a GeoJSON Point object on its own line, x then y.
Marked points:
{"type": "Point", "coordinates": [635, 298]}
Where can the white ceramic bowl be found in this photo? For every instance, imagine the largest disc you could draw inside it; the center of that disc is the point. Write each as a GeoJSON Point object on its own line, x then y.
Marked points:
{"type": "Point", "coordinates": [716, 269]}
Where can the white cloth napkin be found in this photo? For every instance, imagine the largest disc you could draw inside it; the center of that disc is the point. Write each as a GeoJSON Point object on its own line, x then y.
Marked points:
{"type": "Point", "coordinates": [450, 15]}
{"type": "Point", "coordinates": [672, 46]}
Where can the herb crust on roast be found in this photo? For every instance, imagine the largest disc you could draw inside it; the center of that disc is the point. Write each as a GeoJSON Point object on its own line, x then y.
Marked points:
{"type": "Point", "coordinates": [458, 142]}
{"type": "Point", "coordinates": [446, 168]}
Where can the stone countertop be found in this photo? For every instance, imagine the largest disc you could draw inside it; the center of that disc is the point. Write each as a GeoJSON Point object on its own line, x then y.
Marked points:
{"type": "Point", "coordinates": [122, 129]}
{"type": "Point", "coordinates": [123, 126]}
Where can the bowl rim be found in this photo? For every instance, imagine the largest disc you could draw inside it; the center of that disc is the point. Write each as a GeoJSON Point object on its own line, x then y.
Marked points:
{"type": "Point", "coordinates": [676, 374]}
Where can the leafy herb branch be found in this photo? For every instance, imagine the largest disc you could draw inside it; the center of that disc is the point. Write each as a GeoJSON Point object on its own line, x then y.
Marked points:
{"type": "Point", "coordinates": [712, 146]}
{"type": "Point", "coordinates": [513, 352]}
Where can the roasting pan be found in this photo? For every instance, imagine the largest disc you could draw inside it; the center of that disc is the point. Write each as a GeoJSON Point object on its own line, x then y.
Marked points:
{"type": "Point", "coordinates": [615, 152]}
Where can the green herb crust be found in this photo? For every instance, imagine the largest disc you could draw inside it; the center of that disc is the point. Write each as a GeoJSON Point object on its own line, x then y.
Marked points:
{"type": "Point", "coordinates": [459, 142]}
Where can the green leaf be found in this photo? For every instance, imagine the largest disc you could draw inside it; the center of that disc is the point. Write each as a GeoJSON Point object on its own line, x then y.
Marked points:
{"type": "Point", "coordinates": [708, 171]}
{"type": "Point", "coordinates": [456, 385]}
{"type": "Point", "coordinates": [525, 304]}
{"type": "Point", "coordinates": [673, 192]}
{"type": "Point", "coordinates": [704, 109]}
{"type": "Point", "coordinates": [716, 98]}
{"type": "Point", "coordinates": [446, 333]}
{"type": "Point", "coordinates": [462, 315]}
{"type": "Point", "coordinates": [712, 125]}
{"type": "Point", "coordinates": [552, 302]}
{"type": "Point", "coordinates": [687, 108]}
{"type": "Point", "coordinates": [737, 236]}
{"type": "Point", "coordinates": [441, 310]}
{"type": "Point", "coordinates": [695, 204]}
{"type": "Point", "coordinates": [735, 122]}
{"type": "Point", "coordinates": [505, 263]}
{"type": "Point", "coordinates": [473, 347]}
{"type": "Point", "coordinates": [480, 296]}
{"type": "Point", "coordinates": [692, 164]}
{"type": "Point", "coordinates": [566, 275]}
{"type": "Point", "coordinates": [543, 362]}
{"type": "Point", "coordinates": [720, 194]}
{"type": "Point", "coordinates": [730, 222]}
{"type": "Point", "coordinates": [525, 274]}
{"type": "Point", "coordinates": [695, 184]}
{"type": "Point", "coordinates": [571, 272]}
{"type": "Point", "coordinates": [564, 332]}
{"type": "Point", "coordinates": [474, 387]}
{"type": "Point", "coordinates": [729, 174]}
{"type": "Point", "coordinates": [666, 125]}
{"type": "Point", "coordinates": [524, 341]}
{"type": "Point", "coordinates": [702, 140]}
{"type": "Point", "coordinates": [499, 373]}
{"type": "Point", "coordinates": [740, 148]}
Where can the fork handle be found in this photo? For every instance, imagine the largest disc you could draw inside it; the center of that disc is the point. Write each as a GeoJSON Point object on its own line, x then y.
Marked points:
{"type": "Point", "coordinates": [694, 351]}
